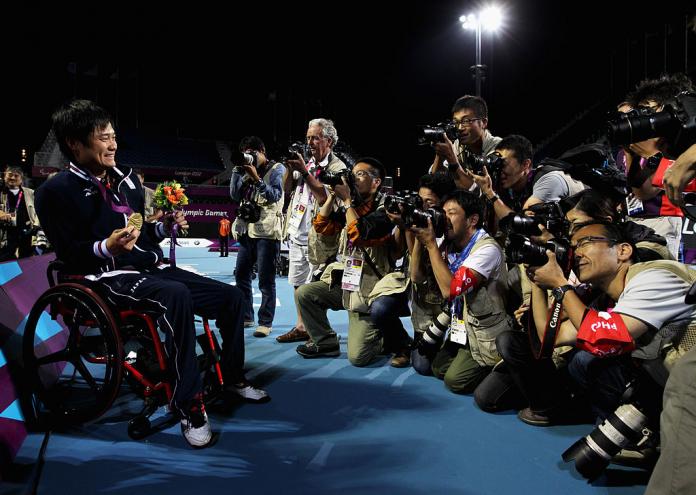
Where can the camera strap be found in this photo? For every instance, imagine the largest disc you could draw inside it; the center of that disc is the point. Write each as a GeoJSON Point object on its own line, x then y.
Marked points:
{"type": "Point", "coordinates": [544, 349]}
{"type": "Point", "coordinates": [371, 263]}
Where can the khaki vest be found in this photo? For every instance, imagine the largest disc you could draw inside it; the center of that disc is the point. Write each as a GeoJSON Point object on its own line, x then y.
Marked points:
{"type": "Point", "coordinates": [361, 299]}
{"type": "Point", "coordinates": [485, 315]}
{"type": "Point", "coordinates": [661, 349]}
{"type": "Point", "coordinates": [28, 202]}
{"type": "Point", "coordinates": [270, 225]}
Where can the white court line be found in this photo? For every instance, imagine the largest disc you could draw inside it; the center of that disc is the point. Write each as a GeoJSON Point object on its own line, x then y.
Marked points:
{"type": "Point", "coordinates": [378, 371]}
{"type": "Point", "coordinates": [276, 360]}
{"type": "Point", "coordinates": [319, 460]}
{"type": "Point", "coordinates": [403, 377]}
{"type": "Point", "coordinates": [329, 369]}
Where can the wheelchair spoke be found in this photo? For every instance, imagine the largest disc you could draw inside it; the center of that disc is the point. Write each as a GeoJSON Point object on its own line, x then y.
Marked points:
{"type": "Point", "coordinates": [84, 372]}
{"type": "Point", "coordinates": [55, 357]}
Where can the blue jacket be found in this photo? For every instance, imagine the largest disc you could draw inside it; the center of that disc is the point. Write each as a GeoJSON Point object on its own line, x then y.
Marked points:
{"type": "Point", "coordinates": [78, 221]}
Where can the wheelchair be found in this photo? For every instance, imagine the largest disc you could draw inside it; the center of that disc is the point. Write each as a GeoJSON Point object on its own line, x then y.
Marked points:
{"type": "Point", "coordinates": [78, 349]}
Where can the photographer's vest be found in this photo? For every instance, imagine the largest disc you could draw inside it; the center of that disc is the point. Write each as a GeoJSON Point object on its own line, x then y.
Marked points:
{"type": "Point", "coordinates": [27, 203]}
{"type": "Point", "coordinates": [485, 315]}
{"type": "Point", "coordinates": [323, 248]}
{"type": "Point", "coordinates": [662, 348]}
{"type": "Point", "coordinates": [360, 300]}
{"type": "Point", "coordinates": [270, 225]}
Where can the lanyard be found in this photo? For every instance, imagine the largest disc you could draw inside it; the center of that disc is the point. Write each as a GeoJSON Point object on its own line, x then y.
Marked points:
{"type": "Point", "coordinates": [19, 199]}
{"type": "Point", "coordinates": [120, 208]}
{"type": "Point", "coordinates": [454, 266]}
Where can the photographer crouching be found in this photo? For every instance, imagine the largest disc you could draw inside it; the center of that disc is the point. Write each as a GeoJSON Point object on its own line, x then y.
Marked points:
{"type": "Point", "coordinates": [257, 185]}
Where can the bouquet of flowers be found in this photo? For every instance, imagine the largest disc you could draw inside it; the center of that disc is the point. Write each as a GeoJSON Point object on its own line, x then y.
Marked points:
{"type": "Point", "coordinates": [168, 197]}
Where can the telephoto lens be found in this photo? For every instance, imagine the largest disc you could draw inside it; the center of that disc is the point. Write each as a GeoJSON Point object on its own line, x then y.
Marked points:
{"type": "Point", "coordinates": [593, 453]}
{"type": "Point", "coordinates": [427, 346]}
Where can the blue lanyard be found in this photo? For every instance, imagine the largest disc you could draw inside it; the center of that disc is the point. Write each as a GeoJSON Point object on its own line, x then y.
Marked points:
{"type": "Point", "coordinates": [454, 266]}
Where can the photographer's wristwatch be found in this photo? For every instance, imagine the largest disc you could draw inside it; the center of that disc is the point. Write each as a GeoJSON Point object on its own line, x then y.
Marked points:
{"type": "Point", "coordinates": [559, 292]}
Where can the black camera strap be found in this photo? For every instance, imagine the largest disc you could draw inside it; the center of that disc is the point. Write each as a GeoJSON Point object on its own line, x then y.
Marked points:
{"type": "Point", "coordinates": [544, 349]}
{"type": "Point", "coordinates": [371, 263]}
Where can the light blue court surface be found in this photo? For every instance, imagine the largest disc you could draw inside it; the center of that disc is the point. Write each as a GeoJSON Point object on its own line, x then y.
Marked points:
{"type": "Point", "coordinates": [330, 428]}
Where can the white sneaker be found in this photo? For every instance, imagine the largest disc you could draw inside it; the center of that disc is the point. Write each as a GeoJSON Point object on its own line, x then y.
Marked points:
{"type": "Point", "coordinates": [262, 331]}
{"type": "Point", "coordinates": [249, 393]}
{"type": "Point", "coordinates": [196, 429]}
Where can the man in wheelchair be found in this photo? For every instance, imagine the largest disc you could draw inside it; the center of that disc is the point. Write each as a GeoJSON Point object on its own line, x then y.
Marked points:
{"type": "Point", "coordinates": [93, 216]}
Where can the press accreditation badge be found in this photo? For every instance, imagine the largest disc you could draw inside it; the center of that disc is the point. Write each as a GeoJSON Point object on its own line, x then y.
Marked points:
{"type": "Point", "coordinates": [352, 273]}
{"type": "Point", "coordinates": [296, 218]}
{"type": "Point", "coordinates": [458, 330]}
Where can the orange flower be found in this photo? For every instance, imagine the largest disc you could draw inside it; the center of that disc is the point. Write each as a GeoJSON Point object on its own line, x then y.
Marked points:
{"type": "Point", "coordinates": [172, 199]}
{"type": "Point", "coordinates": [167, 190]}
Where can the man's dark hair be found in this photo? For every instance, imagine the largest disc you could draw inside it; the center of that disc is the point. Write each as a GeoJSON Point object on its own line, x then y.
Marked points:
{"type": "Point", "coordinates": [519, 145]}
{"type": "Point", "coordinates": [474, 103]}
{"type": "Point", "coordinates": [660, 89]}
{"type": "Point", "coordinates": [470, 203]}
{"type": "Point", "coordinates": [375, 165]}
{"type": "Point", "coordinates": [619, 233]}
{"type": "Point", "coordinates": [594, 204]}
{"type": "Point", "coordinates": [252, 143]}
{"type": "Point", "coordinates": [440, 183]}
{"type": "Point", "coordinates": [77, 120]}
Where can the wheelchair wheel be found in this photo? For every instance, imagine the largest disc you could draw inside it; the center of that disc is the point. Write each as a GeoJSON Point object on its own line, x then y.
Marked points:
{"type": "Point", "coordinates": [72, 354]}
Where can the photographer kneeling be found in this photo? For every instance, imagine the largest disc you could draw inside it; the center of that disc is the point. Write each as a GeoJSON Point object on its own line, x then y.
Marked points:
{"type": "Point", "coordinates": [257, 184]}
{"type": "Point", "coordinates": [648, 315]}
{"type": "Point", "coordinates": [469, 269]}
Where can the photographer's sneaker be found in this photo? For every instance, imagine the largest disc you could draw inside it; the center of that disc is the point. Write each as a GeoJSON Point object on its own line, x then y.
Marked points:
{"type": "Point", "coordinates": [262, 331]}
{"type": "Point", "coordinates": [312, 350]}
{"type": "Point", "coordinates": [249, 393]}
{"type": "Point", "coordinates": [195, 426]}
{"type": "Point", "coordinates": [249, 323]}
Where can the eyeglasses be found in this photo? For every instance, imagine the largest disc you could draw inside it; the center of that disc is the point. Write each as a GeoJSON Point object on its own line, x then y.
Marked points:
{"type": "Point", "coordinates": [464, 122]}
{"type": "Point", "coordinates": [583, 242]}
{"type": "Point", "coordinates": [362, 173]}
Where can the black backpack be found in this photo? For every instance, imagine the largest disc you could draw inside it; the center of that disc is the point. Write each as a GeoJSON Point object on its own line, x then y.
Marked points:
{"type": "Point", "coordinates": [592, 164]}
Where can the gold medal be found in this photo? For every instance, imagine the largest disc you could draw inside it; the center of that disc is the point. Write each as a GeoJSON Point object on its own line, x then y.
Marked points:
{"type": "Point", "coordinates": [136, 220]}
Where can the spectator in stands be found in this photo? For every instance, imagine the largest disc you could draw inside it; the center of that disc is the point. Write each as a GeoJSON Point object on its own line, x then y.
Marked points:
{"type": "Point", "coordinates": [224, 235]}
{"type": "Point", "coordinates": [470, 115]}
{"type": "Point", "coordinates": [303, 182]}
{"type": "Point", "coordinates": [20, 231]}
{"type": "Point", "coordinates": [261, 185]}
{"type": "Point", "coordinates": [90, 212]}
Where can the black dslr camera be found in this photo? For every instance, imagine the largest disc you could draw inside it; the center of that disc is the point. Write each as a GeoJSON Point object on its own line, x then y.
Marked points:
{"type": "Point", "coordinates": [520, 249]}
{"type": "Point", "coordinates": [240, 159]}
{"type": "Point", "coordinates": [296, 147]}
{"type": "Point", "coordinates": [249, 211]}
{"type": "Point", "coordinates": [493, 162]}
{"type": "Point", "coordinates": [413, 213]}
{"type": "Point", "coordinates": [676, 123]}
{"type": "Point", "coordinates": [431, 134]}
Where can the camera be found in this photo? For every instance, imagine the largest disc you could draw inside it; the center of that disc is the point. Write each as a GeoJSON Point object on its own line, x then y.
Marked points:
{"type": "Point", "coordinates": [627, 425]}
{"type": "Point", "coordinates": [550, 215]}
{"type": "Point", "coordinates": [676, 123]}
{"type": "Point", "coordinates": [520, 249]}
{"type": "Point", "coordinates": [334, 179]}
{"type": "Point", "coordinates": [249, 211]}
{"type": "Point", "coordinates": [432, 338]}
{"type": "Point", "coordinates": [410, 207]}
{"type": "Point", "coordinates": [430, 134]}
{"type": "Point", "coordinates": [239, 159]}
{"type": "Point", "coordinates": [493, 162]}
{"type": "Point", "coordinates": [296, 147]}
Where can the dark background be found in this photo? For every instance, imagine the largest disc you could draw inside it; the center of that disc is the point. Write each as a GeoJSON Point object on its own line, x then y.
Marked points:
{"type": "Point", "coordinates": [376, 68]}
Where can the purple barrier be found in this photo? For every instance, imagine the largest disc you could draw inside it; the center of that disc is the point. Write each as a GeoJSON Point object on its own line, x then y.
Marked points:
{"type": "Point", "coordinates": [21, 284]}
